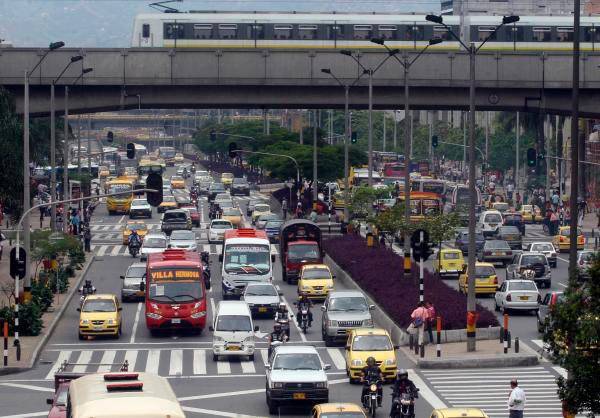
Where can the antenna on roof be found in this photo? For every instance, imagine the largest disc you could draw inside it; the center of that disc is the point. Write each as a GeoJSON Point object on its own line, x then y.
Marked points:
{"type": "Point", "coordinates": [161, 6]}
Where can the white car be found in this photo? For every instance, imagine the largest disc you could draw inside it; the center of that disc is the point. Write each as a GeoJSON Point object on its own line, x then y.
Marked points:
{"type": "Point", "coordinates": [522, 295]}
{"type": "Point", "coordinates": [183, 239]}
{"type": "Point", "coordinates": [546, 248]}
{"type": "Point", "coordinates": [216, 230]}
{"type": "Point", "coordinates": [295, 374]}
{"type": "Point", "coordinates": [154, 242]}
{"type": "Point", "coordinates": [140, 208]}
{"type": "Point", "coordinates": [490, 221]}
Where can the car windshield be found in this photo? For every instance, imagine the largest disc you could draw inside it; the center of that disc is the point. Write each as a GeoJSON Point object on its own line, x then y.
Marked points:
{"type": "Point", "coordinates": [231, 212]}
{"type": "Point", "coordinates": [155, 242]}
{"type": "Point", "coordinates": [316, 273]}
{"type": "Point", "coordinates": [513, 218]}
{"type": "Point", "coordinates": [175, 216]}
{"type": "Point", "coordinates": [183, 235]}
{"type": "Point", "coordinates": [371, 343]}
{"type": "Point", "coordinates": [484, 271]}
{"type": "Point", "coordinates": [350, 303]}
{"type": "Point", "coordinates": [509, 230]}
{"type": "Point", "coordinates": [497, 245]}
{"type": "Point", "coordinates": [261, 290]}
{"type": "Point", "coordinates": [239, 181]}
{"type": "Point", "coordinates": [247, 259]}
{"type": "Point", "coordinates": [525, 285]}
{"type": "Point", "coordinates": [136, 226]}
{"type": "Point", "coordinates": [566, 232]}
{"type": "Point", "coordinates": [227, 175]}
{"type": "Point", "coordinates": [528, 260]}
{"type": "Point", "coordinates": [233, 323]}
{"type": "Point", "coordinates": [169, 198]}
{"type": "Point", "coordinates": [501, 206]}
{"type": "Point", "coordinates": [262, 208]}
{"type": "Point", "coordinates": [273, 224]}
{"type": "Point", "coordinates": [99, 305]}
{"type": "Point", "coordinates": [452, 256]}
{"type": "Point", "coordinates": [303, 252]}
{"type": "Point", "coordinates": [297, 361]}
{"type": "Point", "coordinates": [221, 225]}
{"type": "Point", "coordinates": [177, 178]}
{"type": "Point", "coordinates": [493, 218]}
{"type": "Point", "coordinates": [217, 186]}
{"type": "Point", "coordinates": [542, 247]}
{"type": "Point", "coordinates": [267, 217]}
{"type": "Point", "coordinates": [136, 271]}
{"type": "Point", "coordinates": [140, 202]}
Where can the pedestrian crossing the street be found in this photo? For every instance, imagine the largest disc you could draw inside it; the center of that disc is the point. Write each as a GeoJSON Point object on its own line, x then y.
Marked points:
{"type": "Point", "coordinates": [488, 389]}
{"type": "Point", "coordinates": [173, 362]}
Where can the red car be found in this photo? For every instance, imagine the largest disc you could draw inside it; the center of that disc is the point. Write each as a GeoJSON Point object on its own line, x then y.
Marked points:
{"type": "Point", "coordinates": [194, 214]}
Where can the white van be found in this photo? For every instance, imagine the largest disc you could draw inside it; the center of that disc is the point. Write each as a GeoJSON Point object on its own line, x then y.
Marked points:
{"type": "Point", "coordinates": [233, 330]}
{"type": "Point", "coordinates": [490, 221]}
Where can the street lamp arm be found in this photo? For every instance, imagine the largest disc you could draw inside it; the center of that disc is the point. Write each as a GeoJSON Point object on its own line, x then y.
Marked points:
{"type": "Point", "coordinates": [62, 72]}
{"type": "Point", "coordinates": [391, 54]}
{"type": "Point", "coordinates": [271, 154]}
{"type": "Point", "coordinates": [235, 135]}
{"type": "Point", "coordinates": [421, 52]}
{"type": "Point", "coordinates": [464, 146]}
{"type": "Point", "coordinates": [359, 63]}
{"type": "Point", "coordinates": [39, 62]}
{"type": "Point", "coordinates": [455, 36]}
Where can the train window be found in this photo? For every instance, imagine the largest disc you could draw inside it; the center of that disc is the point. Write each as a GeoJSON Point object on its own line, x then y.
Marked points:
{"type": "Point", "coordinates": [591, 34]}
{"type": "Point", "coordinates": [564, 34]}
{"type": "Point", "coordinates": [227, 31]}
{"type": "Point", "coordinates": [441, 32]}
{"type": "Point", "coordinates": [174, 31]}
{"type": "Point", "coordinates": [515, 34]}
{"type": "Point", "coordinates": [542, 34]}
{"type": "Point", "coordinates": [363, 32]}
{"type": "Point", "coordinates": [415, 33]}
{"type": "Point", "coordinates": [483, 32]}
{"type": "Point", "coordinates": [145, 30]}
{"type": "Point", "coordinates": [282, 32]}
{"type": "Point", "coordinates": [256, 32]}
{"type": "Point", "coordinates": [335, 32]}
{"type": "Point", "coordinates": [387, 31]}
{"type": "Point", "coordinates": [203, 31]}
{"type": "Point", "coordinates": [307, 31]}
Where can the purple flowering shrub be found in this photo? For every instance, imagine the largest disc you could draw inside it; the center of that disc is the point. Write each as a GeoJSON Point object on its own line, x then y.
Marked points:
{"type": "Point", "coordinates": [379, 272]}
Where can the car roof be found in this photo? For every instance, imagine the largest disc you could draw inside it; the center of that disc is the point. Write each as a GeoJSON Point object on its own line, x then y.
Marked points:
{"type": "Point", "coordinates": [315, 266]}
{"type": "Point", "coordinates": [338, 407]}
{"type": "Point", "coordinates": [370, 331]}
{"type": "Point", "coordinates": [482, 264]}
{"type": "Point", "coordinates": [450, 250]}
{"type": "Point", "coordinates": [228, 307]}
{"type": "Point", "coordinates": [345, 293]}
{"type": "Point", "coordinates": [137, 265]}
{"type": "Point", "coordinates": [156, 235]}
{"type": "Point", "coordinates": [288, 348]}
{"type": "Point", "coordinates": [101, 296]}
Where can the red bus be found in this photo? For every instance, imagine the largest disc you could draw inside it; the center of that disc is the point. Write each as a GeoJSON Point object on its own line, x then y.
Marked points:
{"type": "Point", "coordinates": [175, 292]}
{"type": "Point", "coordinates": [395, 169]}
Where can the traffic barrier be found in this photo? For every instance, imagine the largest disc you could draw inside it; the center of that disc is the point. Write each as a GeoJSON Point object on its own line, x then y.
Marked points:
{"type": "Point", "coordinates": [439, 336]}
{"type": "Point", "coordinates": [506, 337]}
{"type": "Point", "coordinates": [5, 334]}
{"type": "Point", "coordinates": [516, 344]}
{"type": "Point", "coordinates": [411, 341]}
{"type": "Point", "coordinates": [422, 350]}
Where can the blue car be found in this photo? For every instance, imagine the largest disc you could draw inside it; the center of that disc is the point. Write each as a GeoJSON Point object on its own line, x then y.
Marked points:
{"type": "Point", "coordinates": [272, 229]}
{"type": "Point", "coordinates": [462, 241]}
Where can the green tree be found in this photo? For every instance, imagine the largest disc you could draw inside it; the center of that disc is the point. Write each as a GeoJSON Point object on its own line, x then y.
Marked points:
{"type": "Point", "coordinates": [572, 335]}
{"type": "Point", "coordinates": [392, 223]}
{"type": "Point", "coordinates": [363, 198]}
{"type": "Point", "coordinates": [441, 227]}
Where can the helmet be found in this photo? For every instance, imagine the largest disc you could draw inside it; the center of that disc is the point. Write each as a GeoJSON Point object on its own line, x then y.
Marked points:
{"type": "Point", "coordinates": [402, 374]}
{"type": "Point", "coordinates": [282, 306]}
{"type": "Point", "coordinates": [303, 295]}
{"type": "Point", "coordinates": [277, 326]}
{"type": "Point", "coordinates": [371, 361]}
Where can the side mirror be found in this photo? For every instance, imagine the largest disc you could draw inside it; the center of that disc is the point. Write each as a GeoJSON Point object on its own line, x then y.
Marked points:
{"type": "Point", "coordinates": [396, 347]}
{"type": "Point", "coordinates": [78, 309]}
{"type": "Point", "coordinates": [211, 328]}
{"type": "Point", "coordinates": [326, 366]}
{"type": "Point", "coordinates": [169, 246]}
{"type": "Point", "coordinates": [272, 258]}
{"type": "Point", "coordinates": [333, 276]}
{"type": "Point", "coordinates": [221, 258]}
{"type": "Point", "coordinates": [267, 366]}
{"type": "Point", "coordinates": [280, 293]}
{"type": "Point", "coordinates": [347, 346]}
{"type": "Point", "coordinates": [49, 401]}
{"type": "Point", "coordinates": [120, 308]}
{"type": "Point", "coordinates": [371, 307]}
{"type": "Point", "coordinates": [323, 308]}
{"type": "Point", "coordinates": [122, 277]}
{"type": "Point", "coordinates": [256, 328]}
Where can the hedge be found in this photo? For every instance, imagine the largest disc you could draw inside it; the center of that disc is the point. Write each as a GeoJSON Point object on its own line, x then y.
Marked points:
{"type": "Point", "coordinates": [379, 272]}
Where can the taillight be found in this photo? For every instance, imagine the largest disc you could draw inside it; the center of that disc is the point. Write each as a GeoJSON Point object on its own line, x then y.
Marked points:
{"type": "Point", "coordinates": [487, 253]}
{"type": "Point", "coordinates": [509, 253]}
{"type": "Point", "coordinates": [508, 297]}
{"type": "Point", "coordinates": [495, 280]}
{"type": "Point", "coordinates": [562, 239]}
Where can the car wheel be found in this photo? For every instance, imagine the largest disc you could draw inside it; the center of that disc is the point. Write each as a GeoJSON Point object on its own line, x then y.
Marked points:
{"type": "Point", "coordinates": [118, 334]}
{"type": "Point", "coordinates": [81, 337]}
{"type": "Point", "coordinates": [328, 341]}
{"type": "Point", "coordinates": [496, 308]}
{"type": "Point", "coordinates": [215, 357]}
{"type": "Point", "coordinates": [251, 357]}
{"type": "Point", "coordinates": [273, 407]}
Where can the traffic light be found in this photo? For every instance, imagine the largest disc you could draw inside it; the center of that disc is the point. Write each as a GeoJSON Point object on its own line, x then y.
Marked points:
{"type": "Point", "coordinates": [421, 249]}
{"type": "Point", "coordinates": [154, 181]}
{"type": "Point", "coordinates": [213, 135]}
{"type": "Point", "coordinates": [232, 150]}
{"type": "Point", "coordinates": [110, 136]}
{"type": "Point", "coordinates": [531, 157]}
{"type": "Point", "coordinates": [354, 137]}
{"type": "Point", "coordinates": [434, 141]}
{"type": "Point", "coordinates": [17, 267]}
{"type": "Point", "coordinates": [131, 151]}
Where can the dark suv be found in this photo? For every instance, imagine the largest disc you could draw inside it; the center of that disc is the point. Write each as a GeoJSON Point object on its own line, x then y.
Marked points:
{"type": "Point", "coordinates": [240, 186]}
{"type": "Point", "coordinates": [175, 219]}
{"type": "Point", "coordinates": [524, 261]}
{"type": "Point", "coordinates": [214, 189]}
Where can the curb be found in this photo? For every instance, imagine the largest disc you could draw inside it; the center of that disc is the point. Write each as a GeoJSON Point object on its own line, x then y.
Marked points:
{"type": "Point", "coordinates": [507, 360]}
{"type": "Point", "coordinates": [50, 329]}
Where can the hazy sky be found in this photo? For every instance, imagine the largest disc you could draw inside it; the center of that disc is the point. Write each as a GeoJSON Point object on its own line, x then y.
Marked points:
{"type": "Point", "coordinates": [108, 23]}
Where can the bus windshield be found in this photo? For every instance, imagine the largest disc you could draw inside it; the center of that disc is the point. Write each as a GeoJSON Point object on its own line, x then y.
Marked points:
{"type": "Point", "coordinates": [167, 152]}
{"type": "Point", "coordinates": [433, 187]}
{"type": "Point", "coordinates": [144, 170]}
{"type": "Point", "coordinates": [120, 187]}
{"type": "Point", "coordinates": [247, 259]}
{"type": "Point", "coordinates": [175, 285]}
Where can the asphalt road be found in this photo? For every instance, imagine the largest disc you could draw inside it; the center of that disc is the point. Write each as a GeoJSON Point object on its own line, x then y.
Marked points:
{"type": "Point", "coordinates": [236, 388]}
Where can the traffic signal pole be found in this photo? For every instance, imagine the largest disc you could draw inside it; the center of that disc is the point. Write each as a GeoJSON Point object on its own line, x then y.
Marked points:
{"type": "Point", "coordinates": [421, 273]}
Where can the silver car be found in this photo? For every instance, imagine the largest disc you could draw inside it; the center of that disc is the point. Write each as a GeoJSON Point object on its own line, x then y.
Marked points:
{"type": "Point", "coordinates": [522, 295]}
{"type": "Point", "coordinates": [136, 273]}
{"type": "Point", "coordinates": [183, 239]}
{"type": "Point", "coordinates": [344, 310]}
{"type": "Point", "coordinates": [155, 242]}
{"type": "Point", "coordinates": [495, 251]}
{"type": "Point", "coordinates": [262, 298]}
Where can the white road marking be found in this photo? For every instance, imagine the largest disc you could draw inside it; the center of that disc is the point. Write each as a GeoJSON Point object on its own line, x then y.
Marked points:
{"type": "Point", "coordinates": [338, 359]}
{"type": "Point", "coordinates": [220, 395]}
{"type": "Point", "coordinates": [135, 323]}
{"type": "Point", "coordinates": [29, 387]}
{"type": "Point", "coordinates": [264, 355]}
{"type": "Point", "coordinates": [247, 366]}
{"type": "Point", "coordinates": [82, 362]}
{"type": "Point", "coordinates": [32, 414]}
{"type": "Point", "coordinates": [223, 367]}
{"type": "Point", "coordinates": [115, 250]}
{"type": "Point", "coordinates": [199, 362]}
{"type": "Point", "coordinates": [425, 392]}
{"type": "Point", "coordinates": [102, 250]}
{"type": "Point", "coordinates": [212, 412]}
{"type": "Point", "coordinates": [131, 357]}
{"type": "Point", "coordinates": [152, 361]}
{"type": "Point", "coordinates": [293, 320]}
{"type": "Point", "coordinates": [122, 219]}
{"type": "Point", "coordinates": [108, 358]}
{"type": "Point", "coordinates": [563, 285]}
{"type": "Point", "coordinates": [176, 363]}
{"type": "Point", "coordinates": [62, 356]}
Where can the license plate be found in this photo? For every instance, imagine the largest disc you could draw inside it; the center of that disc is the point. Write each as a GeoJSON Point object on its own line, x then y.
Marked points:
{"type": "Point", "coordinates": [299, 396]}
{"type": "Point", "coordinates": [524, 297]}
{"type": "Point", "coordinates": [497, 253]}
{"type": "Point", "coordinates": [233, 348]}
{"type": "Point", "coordinates": [176, 321]}
{"type": "Point", "coordinates": [262, 309]}
{"type": "Point", "coordinates": [97, 328]}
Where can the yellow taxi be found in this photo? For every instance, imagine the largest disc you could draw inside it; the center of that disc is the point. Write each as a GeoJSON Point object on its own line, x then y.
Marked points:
{"type": "Point", "coordinates": [260, 209]}
{"type": "Point", "coordinates": [337, 410]}
{"type": "Point", "coordinates": [458, 413]}
{"type": "Point", "coordinates": [168, 202]}
{"type": "Point", "coordinates": [139, 226]}
{"type": "Point", "coordinates": [486, 280]}
{"type": "Point", "coordinates": [370, 342]}
{"type": "Point", "coordinates": [177, 182]}
{"type": "Point", "coordinates": [227, 179]}
{"type": "Point", "coordinates": [103, 172]}
{"type": "Point", "coordinates": [232, 215]}
{"type": "Point", "coordinates": [100, 314]}
{"type": "Point", "coordinates": [178, 158]}
{"type": "Point", "coordinates": [338, 200]}
{"type": "Point", "coordinates": [448, 262]}
{"type": "Point", "coordinates": [315, 280]}
{"type": "Point", "coordinates": [562, 241]}
{"type": "Point", "coordinates": [531, 214]}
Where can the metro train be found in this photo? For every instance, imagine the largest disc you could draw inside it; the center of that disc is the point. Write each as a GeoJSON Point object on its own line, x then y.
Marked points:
{"type": "Point", "coordinates": [237, 30]}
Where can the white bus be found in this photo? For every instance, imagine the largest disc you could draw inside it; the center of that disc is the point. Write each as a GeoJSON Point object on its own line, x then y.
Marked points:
{"type": "Point", "coordinates": [122, 394]}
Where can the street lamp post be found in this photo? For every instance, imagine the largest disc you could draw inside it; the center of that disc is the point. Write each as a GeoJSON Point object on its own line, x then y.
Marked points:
{"type": "Point", "coordinates": [472, 50]}
{"type": "Point", "coordinates": [406, 64]}
{"type": "Point", "coordinates": [370, 72]}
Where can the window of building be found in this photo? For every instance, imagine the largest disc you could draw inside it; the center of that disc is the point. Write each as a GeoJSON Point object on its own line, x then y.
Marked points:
{"type": "Point", "coordinates": [542, 34]}
{"type": "Point", "coordinates": [363, 32]}
{"type": "Point", "coordinates": [483, 32]}
{"type": "Point", "coordinates": [145, 30]}
{"type": "Point", "coordinates": [307, 31]}
{"type": "Point", "coordinates": [441, 32]}
{"type": "Point", "coordinates": [227, 31]}
{"type": "Point", "coordinates": [282, 32]}
{"type": "Point", "coordinates": [564, 34]}
{"type": "Point", "coordinates": [203, 31]}
{"type": "Point", "coordinates": [387, 31]}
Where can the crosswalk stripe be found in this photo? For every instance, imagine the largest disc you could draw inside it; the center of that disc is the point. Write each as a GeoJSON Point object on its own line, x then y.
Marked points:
{"type": "Point", "coordinates": [264, 354]}
{"type": "Point", "coordinates": [199, 362]}
{"type": "Point", "coordinates": [115, 250]}
{"type": "Point", "coordinates": [84, 358]}
{"type": "Point", "coordinates": [338, 359]}
{"type": "Point", "coordinates": [102, 250]}
{"type": "Point", "coordinates": [152, 361]}
{"type": "Point", "coordinates": [131, 358]}
{"type": "Point", "coordinates": [62, 356]}
{"type": "Point", "coordinates": [247, 366]}
{"type": "Point", "coordinates": [223, 367]}
{"type": "Point", "coordinates": [108, 358]}
{"type": "Point", "coordinates": [176, 363]}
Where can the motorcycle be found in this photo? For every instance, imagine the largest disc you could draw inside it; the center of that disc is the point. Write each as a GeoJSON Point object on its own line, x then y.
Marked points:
{"type": "Point", "coordinates": [134, 248]}
{"type": "Point", "coordinates": [285, 325]}
{"type": "Point", "coordinates": [85, 290]}
{"type": "Point", "coordinates": [303, 320]}
{"type": "Point", "coordinates": [402, 405]}
{"type": "Point", "coordinates": [370, 399]}
{"type": "Point", "coordinates": [204, 257]}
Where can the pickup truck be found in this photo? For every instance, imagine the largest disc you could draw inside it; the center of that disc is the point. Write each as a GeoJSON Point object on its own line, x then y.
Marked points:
{"type": "Point", "coordinates": [175, 219]}
{"type": "Point", "coordinates": [299, 243]}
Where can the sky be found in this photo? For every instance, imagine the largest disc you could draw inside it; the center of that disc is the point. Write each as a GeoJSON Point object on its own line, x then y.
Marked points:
{"type": "Point", "coordinates": [109, 23]}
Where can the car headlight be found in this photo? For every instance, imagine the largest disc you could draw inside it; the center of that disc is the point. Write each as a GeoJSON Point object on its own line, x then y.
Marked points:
{"type": "Point", "coordinates": [277, 385]}
{"type": "Point", "coordinates": [84, 322]}
{"type": "Point", "coordinates": [321, 385]}
{"type": "Point", "coordinates": [305, 287]}
{"type": "Point", "coordinates": [249, 340]}
{"type": "Point", "coordinates": [329, 286]}
{"type": "Point", "coordinates": [227, 284]}
{"type": "Point", "coordinates": [153, 315]}
{"type": "Point", "coordinates": [390, 362]}
{"type": "Point", "coordinates": [368, 323]}
{"type": "Point", "coordinates": [198, 315]}
{"type": "Point", "coordinates": [216, 338]}
{"type": "Point", "coordinates": [332, 323]}
{"type": "Point", "coordinates": [274, 305]}
{"type": "Point", "coordinates": [357, 362]}
{"type": "Point", "coordinates": [111, 321]}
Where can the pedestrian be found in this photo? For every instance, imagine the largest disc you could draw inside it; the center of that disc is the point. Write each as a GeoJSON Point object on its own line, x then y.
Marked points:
{"type": "Point", "coordinates": [75, 222]}
{"type": "Point", "coordinates": [87, 239]}
{"type": "Point", "coordinates": [431, 320]}
{"type": "Point", "coordinates": [516, 400]}
{"type": "Point", "coordinates": [313, 215]}
{"type": "Point", "coordinates": [2, 238]}
{"type": "Point", "coordinates": [284, 207]}
{"type": "Point", "coordinates": [553, 223]}
{"type": "Point", "coordinates": [42, 211]}
{"type": "Point", "coordinates": [509, 191]}
{"type": "Point", "coordinates": [418, 318]}
{"type": "Point", "coordinates": [517, 199]}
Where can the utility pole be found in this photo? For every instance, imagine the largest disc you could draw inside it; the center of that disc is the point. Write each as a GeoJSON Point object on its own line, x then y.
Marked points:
{"type": "Point", "coordinates": [517, 157]}
{"type": "Point", "coordinates": [300, 118]}
{"type": "Point", "coordinates": [314, 186]}
{"type": "Point", "coordinates": [66, 194]}
{"type": "Point", "coordinates": [464, 122]}
{"type": "Point", "coordinates": [384, 133]}
{"type": "Point", "coordinates": [370, 143]}
{"type": "Point", "coordinates": [395, 128]}
{"type": "Point", "coordinates": [52, 158]}
{"type": "Point", "coordinates": [430, 148]}
{"type": "Point", "coordinates": [487, 144]}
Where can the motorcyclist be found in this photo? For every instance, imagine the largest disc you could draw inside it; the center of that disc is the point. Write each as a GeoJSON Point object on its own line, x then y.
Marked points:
{"type": "Point", "coordinates": [87, 288]}
{"type": "Point", "coordinates": [403, 384]}
{"type": "Point", "coordinates": [278, 334]}
{"type": "Point", "coordinates": [134, 239]}
{"type": "Point", "coordinates": [304, 303]}
{"type": "Point", "coordinates": [282, 314]}
{"type": "Point", "coordinates": [371, 374]}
